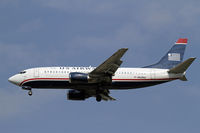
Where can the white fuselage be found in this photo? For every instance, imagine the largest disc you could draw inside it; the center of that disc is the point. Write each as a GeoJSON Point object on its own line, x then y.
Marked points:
{"type": "Point", "coordinates": [124, 78]}
{"type": "Point", "coordinates": [85, 82]}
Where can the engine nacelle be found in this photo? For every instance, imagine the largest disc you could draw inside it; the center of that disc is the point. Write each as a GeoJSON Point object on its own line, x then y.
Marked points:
{"type": "Point", "coordinates": [75, 95]}
{"type": "Point", "coordinates": [77, 77]}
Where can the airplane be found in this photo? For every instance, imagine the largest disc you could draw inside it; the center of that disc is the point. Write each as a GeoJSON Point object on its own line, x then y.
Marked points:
{"type": "Point", "coordinates": [86, 82]}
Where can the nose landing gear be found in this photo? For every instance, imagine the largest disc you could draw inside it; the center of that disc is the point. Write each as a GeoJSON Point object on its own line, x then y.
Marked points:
{"type": "Point", "coordinates": [30, 92]}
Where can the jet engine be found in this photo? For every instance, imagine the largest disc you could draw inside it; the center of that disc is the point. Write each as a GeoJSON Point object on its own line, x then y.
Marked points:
{"type": "Point", "coordinates": [76, 95]}
{"type": "Point", "coordinates": [77, 77]}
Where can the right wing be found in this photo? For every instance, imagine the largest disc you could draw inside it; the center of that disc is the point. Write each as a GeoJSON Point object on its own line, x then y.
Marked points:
{"type": "Point", "coordinates": [108, 67]}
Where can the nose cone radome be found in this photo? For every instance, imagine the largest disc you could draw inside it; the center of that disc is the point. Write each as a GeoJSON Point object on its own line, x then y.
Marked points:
{"type": "Point", "coordinates": [14, 80]}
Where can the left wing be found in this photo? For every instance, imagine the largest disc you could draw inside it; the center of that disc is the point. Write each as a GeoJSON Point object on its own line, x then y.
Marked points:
{"type": "Point", "coordinates": [84, 93]}
{"type": "Point", "coordinates": [104, 94]}
{"type": "Point", "coordinates": [108, 67]}
{"type": "Point", "coordinates": [107, 97]}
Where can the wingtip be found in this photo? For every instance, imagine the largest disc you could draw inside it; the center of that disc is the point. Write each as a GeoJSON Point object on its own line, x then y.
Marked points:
{"type": "Point", "coordinates": [124, 49]}
{"type": "Point", "coordinates": [193, 58]}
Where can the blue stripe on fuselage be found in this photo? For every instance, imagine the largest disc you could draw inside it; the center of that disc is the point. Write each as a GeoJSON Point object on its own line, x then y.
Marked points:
{"type": "Point", "coordinates": [66, 84]}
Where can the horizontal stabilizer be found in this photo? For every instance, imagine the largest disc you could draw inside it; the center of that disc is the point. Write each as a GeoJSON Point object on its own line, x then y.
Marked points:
{"type": "Point", "coordinates": [182, 67]}
{"type": "Point", "coordinates": [183, 78]}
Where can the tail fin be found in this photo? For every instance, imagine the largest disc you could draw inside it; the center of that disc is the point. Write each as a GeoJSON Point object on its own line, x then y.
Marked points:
{"type": "Point", "coordinates": [182, 67]}
{"type": "Point", "coordinates": [173, 57]}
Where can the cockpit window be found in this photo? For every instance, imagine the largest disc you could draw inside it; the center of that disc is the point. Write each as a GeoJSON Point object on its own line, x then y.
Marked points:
{"type": "Point", "coordinates": [22, 72]}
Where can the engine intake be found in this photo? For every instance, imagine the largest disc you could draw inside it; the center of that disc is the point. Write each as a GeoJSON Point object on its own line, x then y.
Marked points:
{"type": "Point", "coordinates": [76, 95]}
{"type": "Point", "coordinates": [77, 77]}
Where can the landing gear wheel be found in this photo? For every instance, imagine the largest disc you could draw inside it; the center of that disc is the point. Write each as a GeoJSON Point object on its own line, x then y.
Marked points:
{"type": "Point", "coordinates": [98, 98]}
{"type": "Point", "coordinates": [30, 93]}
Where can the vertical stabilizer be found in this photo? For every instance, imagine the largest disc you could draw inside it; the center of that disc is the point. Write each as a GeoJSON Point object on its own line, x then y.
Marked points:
{"type": "Point", "coordinates": [173, 57]}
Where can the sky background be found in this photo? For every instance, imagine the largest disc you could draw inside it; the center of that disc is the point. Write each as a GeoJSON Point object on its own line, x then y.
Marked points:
{"type": "Point", "coordinates": [36, 33]}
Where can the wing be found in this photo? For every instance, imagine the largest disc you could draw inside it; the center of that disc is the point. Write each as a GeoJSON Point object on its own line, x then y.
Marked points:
{"type": "Point", "coordinates": [104, 94]}
{"type": "Point", "coordinates": [100, 76]}
{"type": "Point", "coordinates": [110, 66]}
{"type": "Point", "coordinates": [84, 93]}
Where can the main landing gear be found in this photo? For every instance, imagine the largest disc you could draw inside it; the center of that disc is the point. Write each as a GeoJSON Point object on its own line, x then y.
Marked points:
{"type": "Point", "coordinates": [98, 98]}
{"type": "Point", "coordinates": [99, 91]}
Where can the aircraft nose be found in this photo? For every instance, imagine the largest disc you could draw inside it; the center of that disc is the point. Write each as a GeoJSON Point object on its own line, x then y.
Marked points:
{"type": "Point", "coordinates": [10, 79]}
{"type": "Point", "coordinates": [14, 80]}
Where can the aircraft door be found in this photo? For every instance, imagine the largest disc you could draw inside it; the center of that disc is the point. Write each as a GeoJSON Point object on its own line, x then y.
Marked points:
{"type": "Point", "coordinates": [36, 72]}
{"type": "Point", "coordinates": [153, 74]}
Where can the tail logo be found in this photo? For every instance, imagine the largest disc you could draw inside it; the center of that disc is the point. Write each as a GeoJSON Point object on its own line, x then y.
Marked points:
{"type": "Point", "coordinates": [174, 57]}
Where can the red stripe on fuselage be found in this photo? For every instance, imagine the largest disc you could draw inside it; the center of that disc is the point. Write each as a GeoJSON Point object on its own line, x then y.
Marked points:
{"type": "Point", "coordinates": [63, 79]}
{"type": "Point", "coordinates": [148, 79]}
